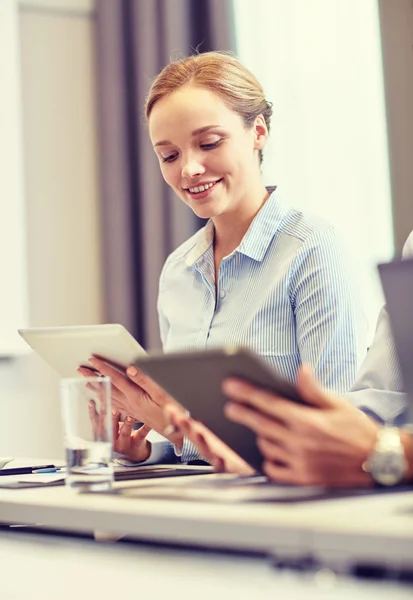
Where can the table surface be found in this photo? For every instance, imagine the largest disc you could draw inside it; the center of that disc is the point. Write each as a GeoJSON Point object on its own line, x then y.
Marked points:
{"type": "Point", "coordinates": [46, 568]}
{"type": "Point", "coordinates": [379, 527]}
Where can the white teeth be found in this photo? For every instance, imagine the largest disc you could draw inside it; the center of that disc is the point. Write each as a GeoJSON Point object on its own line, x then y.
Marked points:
{"type": "Point", "coordinates": [201, 188]}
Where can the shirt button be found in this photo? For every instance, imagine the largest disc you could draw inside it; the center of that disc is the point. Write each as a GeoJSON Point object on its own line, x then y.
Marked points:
{"type": "Point", "coordinates": [222, 294]}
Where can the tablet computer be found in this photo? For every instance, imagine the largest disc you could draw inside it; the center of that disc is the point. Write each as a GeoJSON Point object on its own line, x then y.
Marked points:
{"type": "Point", "coordinates": [397, 281]}
{"type": "Point", "coordinates": [65, 349]}
{"type": "Point", "coordinates": [195, 379]}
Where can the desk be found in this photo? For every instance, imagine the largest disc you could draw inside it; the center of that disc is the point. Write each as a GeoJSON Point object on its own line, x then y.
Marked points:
{"type": "Point", "coordinates": [374, 530]}
{"type": "Point", "coordinates": [47, 568]}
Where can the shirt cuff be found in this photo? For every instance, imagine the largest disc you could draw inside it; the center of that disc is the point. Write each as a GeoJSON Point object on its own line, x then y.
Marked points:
{"type": "Point", "coordinates": [188, 452]}
{"type": "Point", "coordinates": [384, 406]}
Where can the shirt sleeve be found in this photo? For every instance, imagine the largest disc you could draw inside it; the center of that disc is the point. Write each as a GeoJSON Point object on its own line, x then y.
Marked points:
{"type": "Point", "coordinates": [331, 328]}
{"type": "Point", "coordinates": [188, 452]}
{"type": "Point", "coordinates": [163, 321]}
{"type": "Point", "coordinates": [379, 389]}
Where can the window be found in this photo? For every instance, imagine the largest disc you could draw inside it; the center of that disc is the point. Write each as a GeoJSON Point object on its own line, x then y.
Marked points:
{"type": "Point", "coordinates": [320, 64]}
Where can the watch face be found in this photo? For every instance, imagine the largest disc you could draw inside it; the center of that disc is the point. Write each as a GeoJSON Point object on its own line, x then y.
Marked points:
{"type": "Point", "coordinates": [387, 468]}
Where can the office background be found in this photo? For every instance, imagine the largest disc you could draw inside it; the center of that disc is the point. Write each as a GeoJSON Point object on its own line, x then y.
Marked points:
{"type": "Point", "coordinates": [86, 221]}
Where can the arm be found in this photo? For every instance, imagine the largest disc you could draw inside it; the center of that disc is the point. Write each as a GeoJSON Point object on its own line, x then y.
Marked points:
{"type": "Point", "coordinates": [325, 442]}
{"type": "Point", "coordinates": [379, 389]}
{"type": "Point", "coordinates": [330, 325]}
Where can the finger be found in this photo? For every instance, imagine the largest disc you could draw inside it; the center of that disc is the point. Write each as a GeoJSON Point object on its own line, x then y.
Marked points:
{"type": "Point", "coordinates": [193, 431]}
{"type": "Point", "coordinates": [98, 393]}
{"type": "Point", "coordinates": [279, 474]}
{"type": "Point", "coordinates": [211, 448]}
{"type": "Point", "coordinates": [141, 433]}
{"type": "Point", "coordinates": [85, 372]}
{"type": "Point", "coordinates": [274, 452]}
{"type": "Point", "coordinates": [92, 387]}
{"type": "Point", "coordinates": [94, 417]}
{"type": "Point", "coordinates": [88, 372]}
{"type": "Point", "coordinates": [183, 422]}
{"type": "Point", "coordinates": [262, 400]}
{"type": "Point", "coordinates": [205, 451]}
{"type": "Point", "coordinates": [177, 419]}
{"type": "Point", "coordinates": [261, 424]}
{"type": "Point", "coordinates": [218, 464]}
{"type": "Point", "coordinates": [154, 390]}
{"type": "Point", "coordinates": [96, 387]}
{"type": "Point", "coordinates": [115, 424]}
{"type": "Point", "coordinates": [126, 429]}
{"type": "Point", "coordinates": [311, 392]}
{"type": "Point", "coordinates": [172, 411]}
{"type": "Point", "coordinates": [119, 380]}
{"type": "Point", "coordinates": [222, 458]}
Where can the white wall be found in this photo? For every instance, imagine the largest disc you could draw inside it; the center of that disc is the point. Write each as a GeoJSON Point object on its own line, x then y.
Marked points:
{"type": "Point", "coordinates": [13, 280]}
{"type": "Point", "coordinates": [320, 64]}
{"type": "Point", "coordinates": [62, 213]}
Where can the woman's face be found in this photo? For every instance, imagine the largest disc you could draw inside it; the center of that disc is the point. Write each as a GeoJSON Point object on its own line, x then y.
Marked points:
{"type": "Point", "coordinates": [206, 154]}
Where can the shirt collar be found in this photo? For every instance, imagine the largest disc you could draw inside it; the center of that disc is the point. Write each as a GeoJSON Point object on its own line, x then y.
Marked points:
{"type": "Point", "coordinates": [263, 228]}
{"type": "Point", "coordinates": [257, 238]}
{"type": "Point", "coordinates": [204, 240]}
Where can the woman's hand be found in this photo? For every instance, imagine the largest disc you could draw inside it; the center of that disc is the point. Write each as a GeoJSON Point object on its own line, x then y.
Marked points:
{"type": "Point", "coordinates": [126, 441]}
{"type": "Point", "coordinates": [322, 443]}
{"type": "Point", "coordinates": [211, 448]}
{"type": "Point", "coordinates": [136, 395]}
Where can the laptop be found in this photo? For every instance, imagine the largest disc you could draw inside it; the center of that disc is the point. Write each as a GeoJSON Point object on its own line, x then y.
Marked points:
{"type": "Point", "coordinates": [397, 282]}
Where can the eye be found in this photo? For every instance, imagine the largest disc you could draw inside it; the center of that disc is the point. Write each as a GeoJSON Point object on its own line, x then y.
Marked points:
{"type": "Point", "coordinates": [169, 158]}
{"type": "Point", "coordinates": [211, 145]}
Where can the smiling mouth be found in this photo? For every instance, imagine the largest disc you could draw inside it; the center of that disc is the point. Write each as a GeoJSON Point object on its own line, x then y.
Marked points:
{"type": "Point", "coordinates": [202, 188]}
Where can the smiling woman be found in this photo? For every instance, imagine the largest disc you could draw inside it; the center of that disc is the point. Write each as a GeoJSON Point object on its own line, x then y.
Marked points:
{"type": "Point", "coordinates": [259, 274]}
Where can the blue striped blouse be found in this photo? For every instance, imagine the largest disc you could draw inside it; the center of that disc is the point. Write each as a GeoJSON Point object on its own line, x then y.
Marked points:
{"type": "Point", "coordinates": [288, 292]}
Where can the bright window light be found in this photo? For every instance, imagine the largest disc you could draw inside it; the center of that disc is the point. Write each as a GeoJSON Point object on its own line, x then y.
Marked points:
{"type": "Point", "coordinates": [320, 64]}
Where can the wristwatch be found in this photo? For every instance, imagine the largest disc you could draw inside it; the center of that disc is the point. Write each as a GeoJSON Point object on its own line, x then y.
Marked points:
{"type": "Point", "coordinates": [387, 463]}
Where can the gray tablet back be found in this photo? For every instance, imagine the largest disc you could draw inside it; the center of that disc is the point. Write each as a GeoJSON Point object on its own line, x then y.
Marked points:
{"type": "Point", "coordinates": [397, 282]}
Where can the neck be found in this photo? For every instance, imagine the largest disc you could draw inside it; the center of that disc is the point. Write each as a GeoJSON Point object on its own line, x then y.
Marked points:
{"type": "Point", "coordinates": [231, 227]}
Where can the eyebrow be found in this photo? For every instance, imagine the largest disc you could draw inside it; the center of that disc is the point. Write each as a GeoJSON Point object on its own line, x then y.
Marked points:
{"type": "Point", "coordinates": [194, 133]}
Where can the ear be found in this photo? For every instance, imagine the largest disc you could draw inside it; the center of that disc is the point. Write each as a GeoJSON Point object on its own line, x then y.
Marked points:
{"type": "Point", "coordinates": [260, 133]}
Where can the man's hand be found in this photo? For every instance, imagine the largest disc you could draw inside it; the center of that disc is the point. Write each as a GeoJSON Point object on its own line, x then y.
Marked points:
{"type": "Point", "coordinates": [210, 447]}
{"type": "Point", "coordinates": [322, 443]}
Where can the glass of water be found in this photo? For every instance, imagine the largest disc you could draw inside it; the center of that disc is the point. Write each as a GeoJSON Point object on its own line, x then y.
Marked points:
{"type": "Point", "coordinates": [87, 426]}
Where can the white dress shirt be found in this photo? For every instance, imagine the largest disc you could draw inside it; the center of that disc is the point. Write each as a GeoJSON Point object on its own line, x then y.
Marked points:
{"type": "Point", "coordinates": [379, 389]}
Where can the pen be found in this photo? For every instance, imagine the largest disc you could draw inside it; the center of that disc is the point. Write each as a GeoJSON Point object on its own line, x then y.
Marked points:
{"type": "Point", "coordinates": [55, 470]}
{"type": "Point", "coordinates": [24, 470]}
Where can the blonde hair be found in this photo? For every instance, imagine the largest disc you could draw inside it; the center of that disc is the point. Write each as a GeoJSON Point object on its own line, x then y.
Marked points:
{"type": "Point", "coordinates": [223, 74]}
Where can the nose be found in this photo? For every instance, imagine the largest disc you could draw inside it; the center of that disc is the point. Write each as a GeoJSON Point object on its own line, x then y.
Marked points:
{"type": "Point", "coordinates": [192, 168]}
